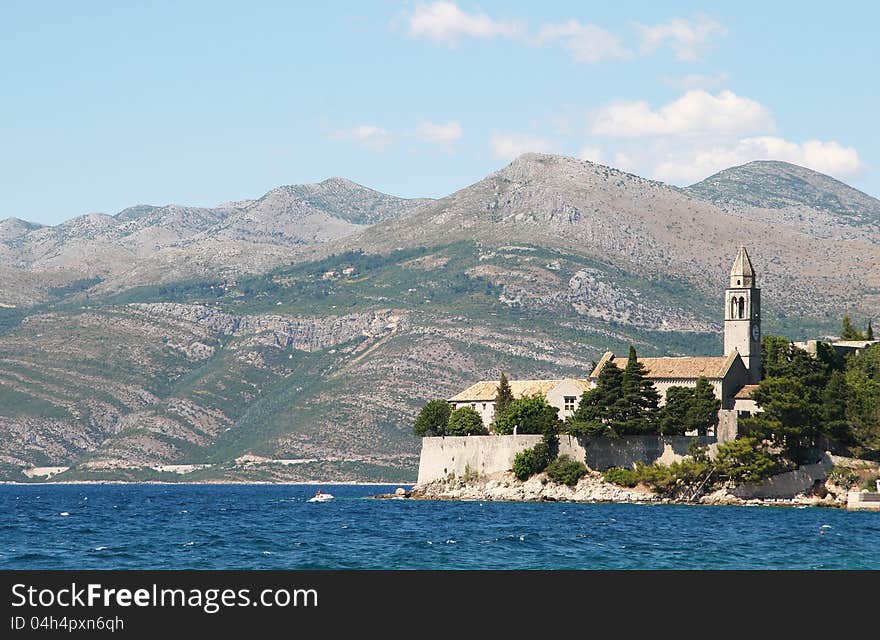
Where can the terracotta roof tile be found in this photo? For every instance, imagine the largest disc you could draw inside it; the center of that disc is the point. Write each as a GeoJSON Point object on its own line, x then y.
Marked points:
{"type": "Point", "coordinates": [670, 368]}
{"type": "Point", "coordinates": [746, 392]}
{"type": "Point", "coordinates": [485, 390]}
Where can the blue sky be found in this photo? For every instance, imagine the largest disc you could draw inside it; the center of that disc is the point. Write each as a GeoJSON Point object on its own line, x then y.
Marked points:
{"type": "Point", "coordinates": [108, 104]}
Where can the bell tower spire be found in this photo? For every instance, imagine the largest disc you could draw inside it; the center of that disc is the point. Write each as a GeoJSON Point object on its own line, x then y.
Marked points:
{"type": "Point", "coordinates": [742, 315]}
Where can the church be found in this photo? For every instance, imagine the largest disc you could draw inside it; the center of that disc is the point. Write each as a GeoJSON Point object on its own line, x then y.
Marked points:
{"type": "Point", "coordinates": [734, 375]}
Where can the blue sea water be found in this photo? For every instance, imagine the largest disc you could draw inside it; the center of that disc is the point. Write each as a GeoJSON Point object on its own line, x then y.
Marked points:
{"type": "Point", "coordinates": [274, 527]}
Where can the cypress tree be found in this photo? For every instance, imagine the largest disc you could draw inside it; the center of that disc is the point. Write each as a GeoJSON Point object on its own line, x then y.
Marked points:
{"type": "Point", "coordinates": [638, 405]}
{"type": "Point", "coordinates": [674, 416]}
{"type": "Point", "coordinates": [594, 414]}
{"type": "Point", "coordinates": [869, 333]}
{"type": "Point", "coordinates": [849, 332]}
{"type": "Point", "coordinates": [703, 413]}
{"type": "Point", "coordinates": [503, 396]}
{"type": "Point", "coordinates": [833, 408]}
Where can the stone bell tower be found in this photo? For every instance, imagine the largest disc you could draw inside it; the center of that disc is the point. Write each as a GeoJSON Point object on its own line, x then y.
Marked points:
{"type": "Point", "coordinates": [742, 315]}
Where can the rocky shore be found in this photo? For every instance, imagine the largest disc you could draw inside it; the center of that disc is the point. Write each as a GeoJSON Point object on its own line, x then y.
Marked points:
{"type": "Point", "coordinates": [592, 489]}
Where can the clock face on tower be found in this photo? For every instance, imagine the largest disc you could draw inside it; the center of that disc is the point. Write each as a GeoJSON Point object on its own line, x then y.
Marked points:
{"type": "Point", "coordinates": [756, 332]}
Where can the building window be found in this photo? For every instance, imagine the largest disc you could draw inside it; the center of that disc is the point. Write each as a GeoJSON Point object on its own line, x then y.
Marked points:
{"type": "Point", "coordinates": [568, 404]}
{"type": "Point", "coordinates": [484, 406]}
{"type": "Point", "coordinates": [742, 307]}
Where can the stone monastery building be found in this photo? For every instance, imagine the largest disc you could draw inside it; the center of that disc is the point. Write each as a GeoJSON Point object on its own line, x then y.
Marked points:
{"type": "Point", "coordinates": [733, 375]}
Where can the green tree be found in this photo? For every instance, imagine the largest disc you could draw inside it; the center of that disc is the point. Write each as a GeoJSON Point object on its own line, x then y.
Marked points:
{"type": "Point", "coordinates": [781, 359]}
{"type": "Point", "coordinates": [869, 332]}
{"type": "Point", "coordinates": [745, 460]}
{"type": "Point", "coordinates": [674, 418]}
{"type": "Point", "coordinates": [833, 408]}
{"type": "Point", "coordinates": [791, 414]}
{"type": "Point", "coordinates": [465, 421]}
{"type": "Point", "coordinates": [703, 415]}
{"type": "Point", "coordinates": [849, 332]}
{"type": "Point", "coordinates": [597, 406]}
{"type": "Point", "coordinates": [503, 397]}
{"type": "Point", "coordinates": [863, 399]}
{"type": "Point", "coordinates": [432, 419]}
{"type": "Point", "coordinates": [639, 400]}
{"type": "Point", "coordinates": [529, 414]}
{"type": "Point", "coordinates": [689, 409]}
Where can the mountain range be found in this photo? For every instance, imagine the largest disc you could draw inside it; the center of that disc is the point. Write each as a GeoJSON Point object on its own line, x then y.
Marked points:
{"type": "Point", "coordinates": [296, 336]}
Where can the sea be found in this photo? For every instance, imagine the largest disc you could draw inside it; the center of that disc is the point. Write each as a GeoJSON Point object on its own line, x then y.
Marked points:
{"type": "Point", "coordinates": [155, 526]}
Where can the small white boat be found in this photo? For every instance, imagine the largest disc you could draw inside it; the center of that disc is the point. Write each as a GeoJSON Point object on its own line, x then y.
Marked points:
{"type": "Point", "coordinates": [321, 497]}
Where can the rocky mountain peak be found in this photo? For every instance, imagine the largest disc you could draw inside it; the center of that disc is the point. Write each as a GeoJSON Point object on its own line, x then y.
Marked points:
{"type": "Point", "coordinates": [773, 184]}
{"type": "Point", "coordinates": [11, 228]}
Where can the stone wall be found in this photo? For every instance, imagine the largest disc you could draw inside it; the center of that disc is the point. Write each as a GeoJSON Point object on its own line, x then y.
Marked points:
{"type": "Point", "coordinates": [603, 453]}
{"type": "Point", "coordinates": [442, 456]}
{"type": "Point", "coordinates": [863, 500]}
{"type": "Point", "coordinates": [785, 485]}
{"type": "Point", "coordinates": [728, 425]}
{"type": "Point", "coordinates": [456, 455]}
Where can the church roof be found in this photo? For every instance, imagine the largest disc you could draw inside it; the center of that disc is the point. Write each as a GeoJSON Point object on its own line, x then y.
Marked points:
{"type": "Point", "coordinates": [485, 390]}
{"type": "Point", "coordinates": [710, 367]}
{"type": "Point", "coordinates": [742, 266]}
{"type": "Point", "coordinates": [675, 368]}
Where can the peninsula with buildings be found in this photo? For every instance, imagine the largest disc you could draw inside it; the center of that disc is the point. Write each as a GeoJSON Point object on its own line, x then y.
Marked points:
{"type": "Point", "coordinates": [718, 429]}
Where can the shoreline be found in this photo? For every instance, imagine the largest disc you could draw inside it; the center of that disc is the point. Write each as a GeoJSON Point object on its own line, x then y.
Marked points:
{"type": "Point", "coordinates": [592, 489]}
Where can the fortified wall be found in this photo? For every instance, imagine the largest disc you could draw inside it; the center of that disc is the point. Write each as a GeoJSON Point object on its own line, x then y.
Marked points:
{"type": "Point", "coordinates": [458, 455]}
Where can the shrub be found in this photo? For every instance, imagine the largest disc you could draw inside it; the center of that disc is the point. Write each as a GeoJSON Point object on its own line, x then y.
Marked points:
{"type": "Point", "coordinates": [659, 477]}
{"type": "Point", "coordinates": [465, 421]}
{"type": "Point", "coordinates": [469, 474]}
{"type": "Point", "coordinates": [843, 477]}
{"type": "Point", "coordinates": [679, 477]}
{"type": "Point", "coordinates": [528, 462]}
{"type": "Point", "coordinates": [620, 476]}
{"type": "Point", "coordinates": [524, 464]}
{"type": "Point", "coordinates": [565, 470]}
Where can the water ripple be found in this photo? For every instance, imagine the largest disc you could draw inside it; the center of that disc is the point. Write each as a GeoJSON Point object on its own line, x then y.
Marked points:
{"type": "Point", "coordinates": [273, 527]}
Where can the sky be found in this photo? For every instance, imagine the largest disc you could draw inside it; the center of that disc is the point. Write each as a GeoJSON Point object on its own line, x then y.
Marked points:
{"type": "Point", "coordinates": [104, 105]}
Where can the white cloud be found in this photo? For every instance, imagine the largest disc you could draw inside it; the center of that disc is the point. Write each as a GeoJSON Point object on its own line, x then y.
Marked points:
{"type": "Point", "coordinates": [695, 81]}
{"type": "Point", "coordinates": [592, 153]}
{"type": "Point", "coordinates": [365, 134]}
{"type": "Point", "coordinates": [507, 146]}
{"type": "Point", "coordinates": [687, 37]}
{"type": "Point", "coordinates": [445, 22]}
{"type": "Point", "coordinates": [584, 42]}
{"type": "Point", "coordinates": [695, 113]}
{"type": "Point", "coordinates": [691, 165]}
{"type": "Point", "coordinates": [439, 133]}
